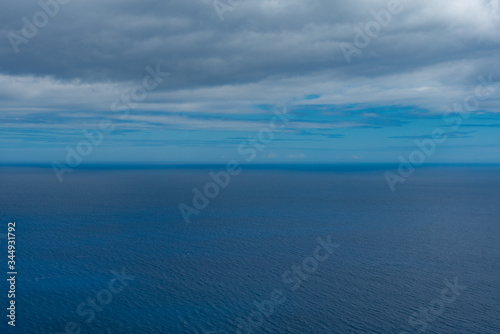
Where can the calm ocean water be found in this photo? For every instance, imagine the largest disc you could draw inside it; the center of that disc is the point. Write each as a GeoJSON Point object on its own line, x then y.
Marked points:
{"type": "Point", "coordinates": [218, 274]}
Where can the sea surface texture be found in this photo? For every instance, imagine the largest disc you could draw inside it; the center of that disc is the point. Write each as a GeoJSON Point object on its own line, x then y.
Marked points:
{"type": "Point", "coordinates": [108, 251]}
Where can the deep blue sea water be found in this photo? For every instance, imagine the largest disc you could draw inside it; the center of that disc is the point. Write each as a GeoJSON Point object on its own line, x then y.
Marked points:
{"type": "Point", "coordinates": [396, 250]}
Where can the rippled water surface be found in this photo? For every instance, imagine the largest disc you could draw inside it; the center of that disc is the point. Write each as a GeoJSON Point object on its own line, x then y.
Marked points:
{"type": "Point", "coordinates": [424, 258]}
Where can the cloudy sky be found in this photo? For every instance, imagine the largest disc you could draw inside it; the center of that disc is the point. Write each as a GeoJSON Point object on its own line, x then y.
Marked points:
{"type": "Point", "coordinates": [354, 90]}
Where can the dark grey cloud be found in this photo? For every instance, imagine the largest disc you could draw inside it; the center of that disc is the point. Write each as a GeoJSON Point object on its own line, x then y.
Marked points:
{"type": "Point", "coordinates": [265, 52]}
{"type": "Point", "coordinates": [101, 41]}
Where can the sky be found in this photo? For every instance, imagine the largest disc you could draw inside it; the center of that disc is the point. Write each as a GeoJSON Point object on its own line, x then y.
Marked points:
{"type": "Point", "coordinates": [201, 81]}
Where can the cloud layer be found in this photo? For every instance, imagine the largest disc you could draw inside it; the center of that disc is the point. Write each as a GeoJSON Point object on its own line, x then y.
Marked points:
{"type": "Point", "coordinates": [226, 76]}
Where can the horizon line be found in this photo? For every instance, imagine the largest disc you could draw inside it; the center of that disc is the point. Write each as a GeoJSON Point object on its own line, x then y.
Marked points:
{"type": "Point", "coordinates": [190, 165]}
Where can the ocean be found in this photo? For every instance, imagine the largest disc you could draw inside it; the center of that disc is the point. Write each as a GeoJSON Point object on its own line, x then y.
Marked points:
{"type": "Point", "coordinates": [280, 249]}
